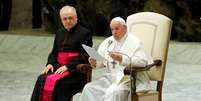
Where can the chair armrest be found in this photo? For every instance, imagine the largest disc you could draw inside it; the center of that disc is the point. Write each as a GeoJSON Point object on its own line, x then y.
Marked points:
{"type": "Point", "coordinates": [127, 70]}
{"type": "Point", "coordinates": [84, 68]}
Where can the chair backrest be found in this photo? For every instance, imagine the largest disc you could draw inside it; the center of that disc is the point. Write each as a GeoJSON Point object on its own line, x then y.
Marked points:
{"type": "Point", "coordinates": [153, 30]}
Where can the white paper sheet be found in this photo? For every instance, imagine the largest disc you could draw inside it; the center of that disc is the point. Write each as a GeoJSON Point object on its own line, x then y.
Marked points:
{"type": "Point", "coordinates": [93, 53]}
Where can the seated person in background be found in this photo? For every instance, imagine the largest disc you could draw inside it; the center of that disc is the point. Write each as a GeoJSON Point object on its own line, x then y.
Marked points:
{"type": "Point", "coordinates": [60, 80]}
{"type": "Point", "coordinates": [113, 85]}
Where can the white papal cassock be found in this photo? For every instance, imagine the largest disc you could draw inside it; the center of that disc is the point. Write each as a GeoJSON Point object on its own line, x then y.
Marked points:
{"type": "Point", "coordinates": [113, 85]}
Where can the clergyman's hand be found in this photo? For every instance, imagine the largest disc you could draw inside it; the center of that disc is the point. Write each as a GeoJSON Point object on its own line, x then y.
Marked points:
{"type": "Point", "coordinates": [61, 69]}
{"type": "Point", "coordinates": [47, 68]}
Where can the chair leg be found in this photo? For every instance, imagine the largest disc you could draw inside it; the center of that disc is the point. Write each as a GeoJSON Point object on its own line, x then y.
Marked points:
{"type": "Point", "coordinates": [159, 89]}
{"type": "Point", "coordinates": [135, 98]}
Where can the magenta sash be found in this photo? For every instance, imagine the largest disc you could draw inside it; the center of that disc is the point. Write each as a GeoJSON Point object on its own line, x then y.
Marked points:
{"type": "Point", "coordinates": [47, 91]}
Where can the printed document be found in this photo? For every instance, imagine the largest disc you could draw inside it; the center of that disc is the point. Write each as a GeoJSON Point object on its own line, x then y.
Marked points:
{"type": "Point", "coordinates": [93, 53]}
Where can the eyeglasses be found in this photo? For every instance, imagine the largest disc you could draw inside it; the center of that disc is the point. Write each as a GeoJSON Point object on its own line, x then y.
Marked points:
{"type": "Point", "coordinates": [67, 18]}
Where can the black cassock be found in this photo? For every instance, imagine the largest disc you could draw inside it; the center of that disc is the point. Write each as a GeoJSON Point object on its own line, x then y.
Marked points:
{"type": "Point", "coordinates": [66, 41]}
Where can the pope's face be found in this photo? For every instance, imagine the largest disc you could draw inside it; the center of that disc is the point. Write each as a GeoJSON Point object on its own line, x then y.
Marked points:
{"type": "Point", "coordinates": [68, 19]}
{"type": "Point", "coordinates": [118, 30]}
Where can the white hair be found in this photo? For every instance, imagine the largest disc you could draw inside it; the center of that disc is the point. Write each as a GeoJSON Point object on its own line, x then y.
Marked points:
{"type": "Point", "coordinates": [67, 7]}
{"type": "Point", "coordinates": [120, 20]}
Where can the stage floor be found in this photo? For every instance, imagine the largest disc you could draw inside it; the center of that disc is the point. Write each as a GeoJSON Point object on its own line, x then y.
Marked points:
{"type": "Point", "coordinates": [22, 58]}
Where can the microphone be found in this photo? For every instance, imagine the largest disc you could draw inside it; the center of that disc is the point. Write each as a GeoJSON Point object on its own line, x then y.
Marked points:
{"type": "Point", "coordinates": [109, 43]}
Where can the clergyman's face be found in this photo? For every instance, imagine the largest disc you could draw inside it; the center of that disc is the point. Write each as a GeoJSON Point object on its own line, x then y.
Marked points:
{"type": "Point", "coordinates": [68, 19]}
{"type": "Point", "coordinates": [118, 30]}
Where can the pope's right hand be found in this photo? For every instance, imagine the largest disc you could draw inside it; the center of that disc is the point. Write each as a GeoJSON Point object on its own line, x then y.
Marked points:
{"type": "Point", "coordinates": [47, 68]}
{"type": "Point", "coordinates": [92, 61]}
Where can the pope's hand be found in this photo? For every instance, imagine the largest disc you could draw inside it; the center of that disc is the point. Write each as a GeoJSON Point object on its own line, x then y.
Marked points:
{"type": "Point", "coordinates": [92, 61]}
{"type": "Point", "coordinates": [116, 56]}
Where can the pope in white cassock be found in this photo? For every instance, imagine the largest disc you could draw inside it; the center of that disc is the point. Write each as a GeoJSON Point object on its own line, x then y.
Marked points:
{"type": "Point", "coordinates": [113, 85]}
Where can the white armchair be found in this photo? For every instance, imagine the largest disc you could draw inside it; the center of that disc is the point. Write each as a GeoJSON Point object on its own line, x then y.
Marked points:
{"type": "Point", "coordinates": [154, 30]}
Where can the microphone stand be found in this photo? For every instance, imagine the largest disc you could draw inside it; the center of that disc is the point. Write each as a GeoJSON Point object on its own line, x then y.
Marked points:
{"type": "Point", "coordinates": [132, 76]}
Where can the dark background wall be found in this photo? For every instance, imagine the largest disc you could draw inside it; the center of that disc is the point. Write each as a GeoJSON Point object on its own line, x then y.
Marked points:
{"type": "Point", "coordinates": [96, 14]}
{"type": "Point", "coordinates": [5, 12]}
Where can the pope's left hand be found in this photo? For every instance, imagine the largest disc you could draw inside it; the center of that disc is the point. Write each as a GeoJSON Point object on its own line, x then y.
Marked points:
{"type": "Point", "coordinates": [61, 69]}
{"type": "Point", "coordinates": [116, 56]}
